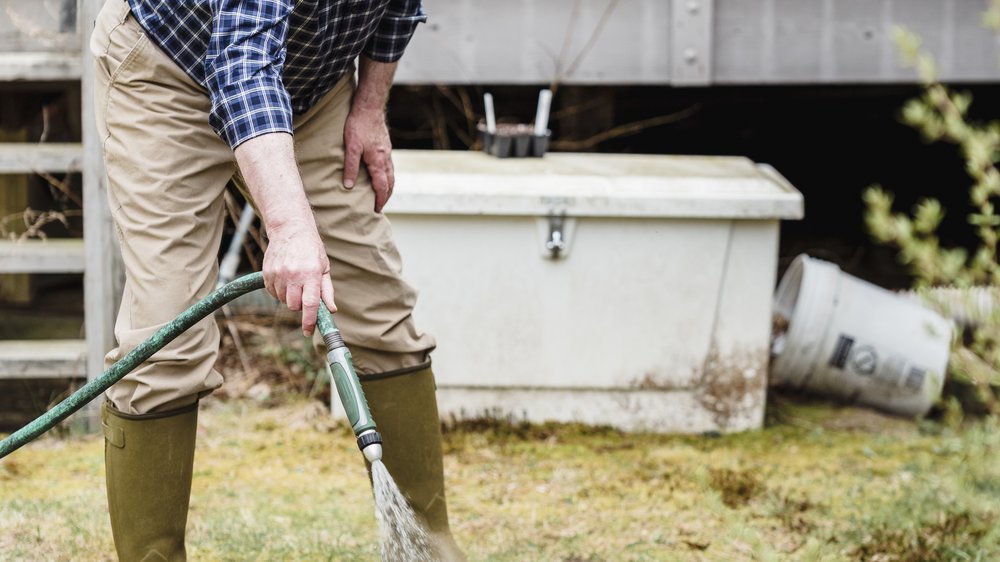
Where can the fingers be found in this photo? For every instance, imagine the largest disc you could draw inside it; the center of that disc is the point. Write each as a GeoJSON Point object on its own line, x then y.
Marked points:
{"type": "Point", "coordinates": [297, 272]}
{"type": "Point", "coordinates": [269, 284]}
{"type": "Point", "coordinates": [307, 297]}
{"type": "Point", "coordinates": [310, 305]}
{"type": "Point", "coordinates": [352, 162]}
{"type": "Point", "coordinates": [380, 183]}
{"type": "Point", "coordinates": [390, 171]}
{"type": "Point", "coordinates": [326, 293]}
{"type": "Point", "coordinates": [366, 139]}
{"type": "Point", "coordinates": [279, 286]}
{"type": "Point", "coordinates": [294, 297]}
{"type": "Point", "coordinates": [383, 177]}
{"type": "Point", "coordinates": [390, 174]}
{"type": "Point", "coordinates": [269, 275]}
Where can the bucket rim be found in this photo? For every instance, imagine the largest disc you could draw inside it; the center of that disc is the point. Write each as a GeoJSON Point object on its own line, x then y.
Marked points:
{"type": "Point", "coordinates": [806, 298]}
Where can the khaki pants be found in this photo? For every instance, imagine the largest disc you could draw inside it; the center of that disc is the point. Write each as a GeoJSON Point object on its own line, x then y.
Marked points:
{"type": "Point", "coordinates": [167, 173]}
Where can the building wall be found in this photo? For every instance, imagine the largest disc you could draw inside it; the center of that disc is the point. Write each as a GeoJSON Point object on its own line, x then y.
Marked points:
{"type": "Point", "coordinates": [693, 41]}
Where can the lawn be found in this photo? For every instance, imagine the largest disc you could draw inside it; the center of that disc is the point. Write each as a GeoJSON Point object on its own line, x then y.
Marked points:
{"type": "Point", "coordinates": [285, 482]}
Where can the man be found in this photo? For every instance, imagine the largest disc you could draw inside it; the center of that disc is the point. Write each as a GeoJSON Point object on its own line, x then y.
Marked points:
{"type": "Point", "coordinates": [191, 94]}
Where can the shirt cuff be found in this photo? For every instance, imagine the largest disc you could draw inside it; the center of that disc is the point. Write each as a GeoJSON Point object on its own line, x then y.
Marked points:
{"type": "Point", "coordinates": [392, 35]}
{"type": "Point", "coordinates": [250, 108]}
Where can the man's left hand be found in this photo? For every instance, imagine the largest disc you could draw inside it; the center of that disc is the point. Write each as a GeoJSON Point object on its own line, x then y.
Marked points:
{"type": "Point", "coordinates": [366, 135]}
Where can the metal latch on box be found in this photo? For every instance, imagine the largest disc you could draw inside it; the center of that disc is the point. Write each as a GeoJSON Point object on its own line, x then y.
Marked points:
{"type": "Point", "coordinates": [556, 233]}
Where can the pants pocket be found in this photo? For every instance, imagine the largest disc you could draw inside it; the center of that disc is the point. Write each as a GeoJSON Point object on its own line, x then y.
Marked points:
{"type": "Point", "coordinates": [117, 38]}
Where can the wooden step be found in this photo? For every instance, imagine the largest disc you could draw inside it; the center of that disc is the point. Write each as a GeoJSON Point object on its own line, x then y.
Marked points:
{"type": "Point", "coordinates": [40, 66]}
{"type": "Point", "coordinates": [54, 255]}
{"type": "Point", "coordinates": [34, 359]}
{"type": "Point", "coordinates": [33, 157]}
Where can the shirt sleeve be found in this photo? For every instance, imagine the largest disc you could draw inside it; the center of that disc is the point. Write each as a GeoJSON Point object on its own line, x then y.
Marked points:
{"type": "Point", "coordinates": [243, 69]}
{"type": "Point", "coordinates": [395, 30]}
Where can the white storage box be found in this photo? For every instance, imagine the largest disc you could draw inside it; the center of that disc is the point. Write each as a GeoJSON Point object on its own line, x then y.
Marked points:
{"type": "Point", "coordinates": [633, 291]}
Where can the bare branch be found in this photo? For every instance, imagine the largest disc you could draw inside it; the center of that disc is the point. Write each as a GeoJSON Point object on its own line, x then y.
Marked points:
{"type": "Point", "coordinates": [626, 129]}
{"type": "Point", "coordinates": [33, 222]}
{"type": "Point", "coordinates": [31, 30]}
{"type": "Point", "coordinates": [60, 185]}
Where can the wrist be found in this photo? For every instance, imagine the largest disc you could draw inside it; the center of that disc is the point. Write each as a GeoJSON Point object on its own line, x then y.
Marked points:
{"type": "Point", "coordinates": [287, 215]}
{"type": "Point", "coordinates": [374, 83]}
{"type": "Point", "coordinates": [369, 106]}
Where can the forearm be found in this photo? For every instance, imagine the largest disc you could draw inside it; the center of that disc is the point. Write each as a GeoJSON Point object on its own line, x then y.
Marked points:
{"type": "Point", "coordinates": [267, 163]}
{"type": "Point", "coordinates": [374, 83]}
{"type": "Point", "coordinates": [296, 268]}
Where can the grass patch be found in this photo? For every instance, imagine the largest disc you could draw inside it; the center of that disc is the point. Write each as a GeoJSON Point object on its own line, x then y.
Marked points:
{"type": "Point", "coordinates": [286, 482]}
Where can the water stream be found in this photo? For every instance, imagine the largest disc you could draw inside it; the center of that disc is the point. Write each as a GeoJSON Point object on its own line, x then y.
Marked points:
{"type": "Point", "coordinates": [403, 538]}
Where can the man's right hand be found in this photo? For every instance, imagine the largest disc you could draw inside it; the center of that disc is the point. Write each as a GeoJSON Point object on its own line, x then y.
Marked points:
{"type": "Point", "coordinates": [297, 271]}
{"type": "Point", "coordinates": [296, 267]}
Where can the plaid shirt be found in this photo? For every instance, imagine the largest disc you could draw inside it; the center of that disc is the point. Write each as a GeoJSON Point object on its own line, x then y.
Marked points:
{"type": "Point", "coordinates": [263, 61]}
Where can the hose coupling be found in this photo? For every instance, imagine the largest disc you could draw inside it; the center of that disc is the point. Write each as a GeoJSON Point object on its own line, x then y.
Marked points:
{"type": "Point", "coordinates": [333, 340]}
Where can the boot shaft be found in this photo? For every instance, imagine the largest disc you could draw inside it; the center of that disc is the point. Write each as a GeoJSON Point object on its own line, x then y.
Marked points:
{"type": "Point", "coordinates": [148, 464]}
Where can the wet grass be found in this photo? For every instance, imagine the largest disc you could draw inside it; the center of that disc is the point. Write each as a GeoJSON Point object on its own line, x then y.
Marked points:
{"type": "Point", "coordinates": [287, 483]}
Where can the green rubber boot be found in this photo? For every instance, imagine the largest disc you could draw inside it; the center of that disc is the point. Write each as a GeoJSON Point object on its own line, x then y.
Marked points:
{"type": "Point", "coordinates": [148, 461]}
{"type": "Point", "coordinates": [404, 406]}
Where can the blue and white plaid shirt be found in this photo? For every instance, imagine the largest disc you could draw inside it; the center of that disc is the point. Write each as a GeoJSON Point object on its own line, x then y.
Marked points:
{"type": "Point", "coordinates": [264, 60]}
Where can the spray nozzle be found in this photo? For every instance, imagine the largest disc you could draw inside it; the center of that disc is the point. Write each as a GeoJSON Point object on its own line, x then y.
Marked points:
{"type": "Point", "coordinates": [349, 388]}
{"type": "Point", "coordinates": [370, 443]}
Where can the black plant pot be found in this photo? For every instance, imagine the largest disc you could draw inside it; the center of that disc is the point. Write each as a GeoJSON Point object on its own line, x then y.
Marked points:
{"type": "Point", "coordinates": [513, 141]}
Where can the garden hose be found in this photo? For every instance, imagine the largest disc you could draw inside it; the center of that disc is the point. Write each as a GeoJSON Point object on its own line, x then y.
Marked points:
{"type": "Point", "coordinates": [344, 376]}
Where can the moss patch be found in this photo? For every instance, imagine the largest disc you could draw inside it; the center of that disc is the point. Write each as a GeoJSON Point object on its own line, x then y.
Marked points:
{"type": "Point", "coordinates": [736, 487]}
{"type": "Point", "coordinates": [948, 537]}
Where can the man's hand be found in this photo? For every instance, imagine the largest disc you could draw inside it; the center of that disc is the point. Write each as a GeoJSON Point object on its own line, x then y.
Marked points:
{"type": "Point", "coordinates": [366, 135]}
{"type": "Point", "coordinates": [296, 268]}
{"type": "Point", "coordinates": [297, 271]}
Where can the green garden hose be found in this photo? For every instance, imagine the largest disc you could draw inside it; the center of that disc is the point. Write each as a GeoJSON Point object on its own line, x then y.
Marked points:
{"type": "Point", "coordinates": [345, 378]}
{"type": "Point", "coordinates": [133, 359]}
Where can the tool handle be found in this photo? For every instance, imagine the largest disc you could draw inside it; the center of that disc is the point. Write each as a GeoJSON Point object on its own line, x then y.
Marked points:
{"type": "Point", "coordinates": [344, 376]}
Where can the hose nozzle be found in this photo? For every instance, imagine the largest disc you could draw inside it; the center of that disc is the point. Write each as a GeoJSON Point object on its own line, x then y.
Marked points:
{"type": "Point", "coordinates": [349, 388]}
{"type": "Point", "coordinates": [370, 443]}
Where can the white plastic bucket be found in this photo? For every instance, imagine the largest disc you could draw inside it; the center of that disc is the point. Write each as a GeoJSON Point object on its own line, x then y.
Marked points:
{"type": "Point", "coordinates": [850, 339]}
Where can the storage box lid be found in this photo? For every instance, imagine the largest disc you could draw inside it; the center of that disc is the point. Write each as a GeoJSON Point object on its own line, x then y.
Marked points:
{"type": "Point", "coordinates": [596, 185]}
